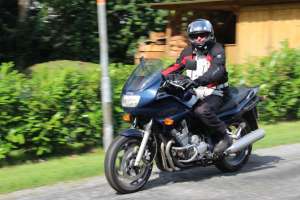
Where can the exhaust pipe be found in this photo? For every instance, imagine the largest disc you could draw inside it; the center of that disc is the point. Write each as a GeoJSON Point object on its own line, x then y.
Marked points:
{"type": "Point", "coordinates": [163, 158]}
{"type": "Point", "coordinates": [245, 141]}
{"type": "Point", "coordinates": [169, 157]}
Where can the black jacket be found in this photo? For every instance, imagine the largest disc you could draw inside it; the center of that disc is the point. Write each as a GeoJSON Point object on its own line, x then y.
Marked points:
{"type": "Point", "coordinates": [216, 73]}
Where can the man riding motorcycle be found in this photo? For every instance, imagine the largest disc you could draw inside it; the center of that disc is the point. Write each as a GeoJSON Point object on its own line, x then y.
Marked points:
{"type": "Point", "coordinates": [209, 77]}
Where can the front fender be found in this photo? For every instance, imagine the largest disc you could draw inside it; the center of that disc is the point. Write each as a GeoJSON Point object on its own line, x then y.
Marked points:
{"type": "Point", "coordinates": [132, 133]}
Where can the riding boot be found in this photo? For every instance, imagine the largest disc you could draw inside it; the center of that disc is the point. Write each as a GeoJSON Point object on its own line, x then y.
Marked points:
{"type": "Point", "coordinates": [223, 144]}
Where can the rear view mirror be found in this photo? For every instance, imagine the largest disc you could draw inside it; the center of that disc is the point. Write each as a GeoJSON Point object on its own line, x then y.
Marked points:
{"type": "Point", "coordinates": [191, 64]}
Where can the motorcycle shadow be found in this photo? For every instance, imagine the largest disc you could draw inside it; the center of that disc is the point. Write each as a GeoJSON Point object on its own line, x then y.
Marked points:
{"type": "Point", "coordinates": [255, 163]}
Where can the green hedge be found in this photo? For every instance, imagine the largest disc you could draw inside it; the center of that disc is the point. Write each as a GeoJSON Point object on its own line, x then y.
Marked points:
{"type": "Point", "coordinates": [55, 108]}
{"type": "Point", "coordinates": [278, 76]}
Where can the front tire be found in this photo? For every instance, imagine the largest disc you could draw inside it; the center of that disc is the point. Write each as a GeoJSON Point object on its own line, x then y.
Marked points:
{"type": "Point", "coordinates": [236, 162]}
{"type": "Point", "coordinates": [119, 170]}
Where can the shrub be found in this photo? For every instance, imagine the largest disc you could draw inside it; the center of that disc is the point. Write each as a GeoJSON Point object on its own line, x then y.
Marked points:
{"type": "Point", "coordinates": [278, 76]}
{"type": "Point", "coordinates": [13, 87]}
{"type": "Point", "coordinates": [55, 109]}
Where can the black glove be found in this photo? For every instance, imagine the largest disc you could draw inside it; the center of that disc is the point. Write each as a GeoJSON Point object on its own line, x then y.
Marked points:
{"type": "Point", "coordinates": [180, 80]}
{"type": "Point", "coordinates": [187, 83]}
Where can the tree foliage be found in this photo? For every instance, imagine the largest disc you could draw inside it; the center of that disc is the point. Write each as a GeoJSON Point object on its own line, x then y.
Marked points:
{"type": "Point", "coordinates": [63, 29]}
{"type": "Point", "coordinates": [127, 22]}
{"type": "Point", "coordinates": [8, 23]}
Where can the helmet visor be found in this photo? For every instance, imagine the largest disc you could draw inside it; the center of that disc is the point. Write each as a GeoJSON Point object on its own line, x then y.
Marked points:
{"type": "Point", "coordinates": [195, 35]}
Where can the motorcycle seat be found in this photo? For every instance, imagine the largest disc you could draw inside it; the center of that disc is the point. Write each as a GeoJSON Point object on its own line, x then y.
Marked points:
{"type": "Point", "coordinates": [234, 97]}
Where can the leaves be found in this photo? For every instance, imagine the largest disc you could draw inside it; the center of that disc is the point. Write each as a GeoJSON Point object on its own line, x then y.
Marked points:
{"type": "Point", "coordinates": [56, 108]}
{"type": "Point", "coordinates": [278, 77]}
{"type": "Point", "coordinates": [63, 29]}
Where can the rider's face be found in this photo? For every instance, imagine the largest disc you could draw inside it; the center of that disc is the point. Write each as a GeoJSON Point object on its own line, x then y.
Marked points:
{"type": "Point", "coordinates": [199, 37]}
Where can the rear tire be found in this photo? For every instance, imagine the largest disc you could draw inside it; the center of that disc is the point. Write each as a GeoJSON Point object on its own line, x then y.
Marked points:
{"type": "Point", "coordinates": [118, 176]}
{"type": "Point", "coordinates": [233, 164]}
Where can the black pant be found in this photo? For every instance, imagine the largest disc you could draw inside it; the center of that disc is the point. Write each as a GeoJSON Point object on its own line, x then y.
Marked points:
{"type": "Point", "coordinates": [206, 109]}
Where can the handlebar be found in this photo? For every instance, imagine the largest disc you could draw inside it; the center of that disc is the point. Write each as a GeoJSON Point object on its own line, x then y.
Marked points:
{"type": "Point", "coordinates": [177, 84]}
{"type": "Point", "coordinates": [190, 85]}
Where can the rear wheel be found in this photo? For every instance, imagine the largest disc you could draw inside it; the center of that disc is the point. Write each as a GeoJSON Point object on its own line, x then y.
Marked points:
{"type": "Point", "coordinates": [236, 161]}
{"type": "Point", "coordinates": [120, 171]}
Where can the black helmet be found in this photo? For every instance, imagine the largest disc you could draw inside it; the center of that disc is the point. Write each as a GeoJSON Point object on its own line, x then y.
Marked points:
{"type": "Point", "coordinates": [201, 28]}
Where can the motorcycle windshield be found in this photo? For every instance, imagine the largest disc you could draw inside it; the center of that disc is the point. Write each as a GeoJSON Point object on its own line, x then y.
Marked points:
{"type": "Point", "coordinates": [144, 75]}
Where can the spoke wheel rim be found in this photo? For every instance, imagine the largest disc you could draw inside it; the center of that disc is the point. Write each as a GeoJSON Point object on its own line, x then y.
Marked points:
{"type": "Point", "coordinates": [126, 173]}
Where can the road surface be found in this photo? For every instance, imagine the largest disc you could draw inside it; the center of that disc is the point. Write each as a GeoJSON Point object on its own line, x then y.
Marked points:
{"type": "Point", "coordinates": [270, 174]}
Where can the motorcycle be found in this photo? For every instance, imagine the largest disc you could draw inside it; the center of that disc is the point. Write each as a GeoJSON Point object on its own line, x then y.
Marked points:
{"type": "Point", "coordinates": [163, 130]}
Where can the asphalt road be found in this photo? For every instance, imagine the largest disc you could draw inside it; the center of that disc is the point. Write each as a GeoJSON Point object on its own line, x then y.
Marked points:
{"type": "Point", "coordinates": [270, 174]}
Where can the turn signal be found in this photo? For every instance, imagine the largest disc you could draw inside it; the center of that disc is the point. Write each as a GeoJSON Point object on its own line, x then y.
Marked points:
{"type": "Point", "coordinates": [127, 117]}
{"type": "Point", "coordinates": [168, 121]}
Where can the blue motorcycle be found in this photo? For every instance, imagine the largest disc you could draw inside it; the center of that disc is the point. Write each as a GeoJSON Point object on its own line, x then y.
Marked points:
{"type": "Point", "coordinates": [165, 131]}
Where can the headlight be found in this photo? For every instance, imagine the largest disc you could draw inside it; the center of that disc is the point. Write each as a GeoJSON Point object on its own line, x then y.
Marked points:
{"type": "Point", "coordinates": [130, 100]}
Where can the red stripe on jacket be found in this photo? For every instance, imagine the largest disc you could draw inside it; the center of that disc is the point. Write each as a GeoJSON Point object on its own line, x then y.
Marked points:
{"type": "Point", "coordinates": [176, 66]}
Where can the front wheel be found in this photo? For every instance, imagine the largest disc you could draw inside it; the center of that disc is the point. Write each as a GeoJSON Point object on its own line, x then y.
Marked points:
{"type": "Point", "coordinates": [235, 162]}
{"type": "Point", "coordinates": [120, 171]}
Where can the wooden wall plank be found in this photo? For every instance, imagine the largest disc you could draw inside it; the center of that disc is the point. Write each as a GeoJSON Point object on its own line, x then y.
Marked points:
{"type": "Point", "coordinates": [261, 29]}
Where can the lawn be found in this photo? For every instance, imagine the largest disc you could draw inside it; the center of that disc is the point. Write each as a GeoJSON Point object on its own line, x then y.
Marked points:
{"type": "Point", "coordinates": [76, 167]}
{"type": "Point", "coordinates": [51, 171]}
{"type": "Point", "coordinates": [280, 134]}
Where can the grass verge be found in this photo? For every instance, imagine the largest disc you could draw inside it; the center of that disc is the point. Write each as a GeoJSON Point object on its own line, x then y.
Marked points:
{"type": "Point", "coordinates": [51, 171]}
{"type": "Point", "coordinates": [280, 134]}
{"type": "Point", "coordinates": [76, 167]}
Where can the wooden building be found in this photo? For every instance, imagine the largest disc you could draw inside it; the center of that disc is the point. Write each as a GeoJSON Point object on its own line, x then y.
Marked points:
{"type": "Point", "coordinates": [247, 28]}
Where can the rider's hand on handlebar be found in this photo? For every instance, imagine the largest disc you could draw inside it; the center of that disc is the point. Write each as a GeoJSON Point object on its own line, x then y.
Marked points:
{"type": "Point", "coordinates": [180, 81]}
{"type": "Point", "coordinates": [188, 83]}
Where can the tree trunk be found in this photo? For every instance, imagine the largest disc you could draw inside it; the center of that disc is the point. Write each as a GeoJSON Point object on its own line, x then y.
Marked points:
{"type": "Point", "coordinates": [23, 7]}
{"type": "Point", "coordinates": [23, 10]}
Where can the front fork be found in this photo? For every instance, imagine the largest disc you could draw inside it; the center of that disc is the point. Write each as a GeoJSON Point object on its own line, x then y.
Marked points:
{"type": "Point", "coordinates": [141, 151]}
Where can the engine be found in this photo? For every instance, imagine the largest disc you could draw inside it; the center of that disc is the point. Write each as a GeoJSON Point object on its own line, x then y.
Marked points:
{"type": "Point", "coordinates": [192, 147]}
